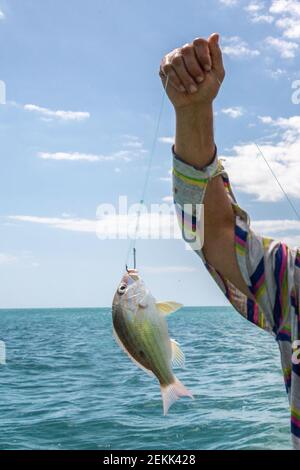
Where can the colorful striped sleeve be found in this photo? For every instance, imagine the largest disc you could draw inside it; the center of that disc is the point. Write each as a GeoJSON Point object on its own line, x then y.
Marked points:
{"type": "Point", "coordinates": [270, 269]}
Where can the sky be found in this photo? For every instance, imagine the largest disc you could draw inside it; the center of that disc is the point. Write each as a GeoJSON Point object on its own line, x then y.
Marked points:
{"type": "Point", "coordinates": [79, 124]}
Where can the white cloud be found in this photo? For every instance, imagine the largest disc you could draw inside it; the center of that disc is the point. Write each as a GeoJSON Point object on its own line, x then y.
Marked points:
{"type": "Point", "coordinates": [290, 127]}
{"type": "Point", "coordinates": [286, 49]}
{"type": "Point", "coordinates": [285, 7]}
{"type": "Point", "coordinates": [59, 114]}
{"type": "Point", "coordinates": [290, 27]}
{"type": "Point", "coordinates": [152, 225]}
{"type": "Point", "coordinates": [234, 112]}
{"type": "Point", "coordinates": [255, 10]}
{"type": "Point", "coordinates": [249, 172]}
{"type": "Point", "coordinates": [289, 17]}
{"type": "Point", "coordinates": [285, 230]}
{"type": "Point", "coordinates": [2, 16]}
{"type": "Point", "coordinates": [132, 141]}
{"type": "Point", "coordinates": [24, 258]}
{"type": "Point", "coordinates": [133, 144]}
{"type": "Point", "coordinates": [265, 119]}
{"type": "Point", "coordinates": [130, 137]}
{"type": "Point", "coordinates": [168, 269]}
{"type": "Point", "coordinates": [238, 48]}
{"type": "Point", "coordinates": [7, 259]}
{"type": "Point", "coordinates": [124, 155]}
{"type": "Point", "coordinates": [272, 226]}
{"type": "Point", "coordinates": [67, 214]}
{"type": "Point", "coordinates": [167, 140]}
{"type": "Point", "coordinates": [276, 73]}
{"type": "Point", "coordinates": [229, 3]}
{"type": "Point", "coordinates": [254, 7]}
{"type": "Point", "coordinates": [262, 19]}
{"type": "Point", "coordinates": [167, 178]}
{"type": "Point", "coordinates": [75, 156]}
{"type": "Point", "coordinates": [167, 199]}
{"type": "Point", "coordinates": [64, 223]}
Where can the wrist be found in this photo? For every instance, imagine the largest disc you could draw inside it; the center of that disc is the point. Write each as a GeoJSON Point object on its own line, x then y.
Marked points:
{"type": "Point", "coordinates": [194, 141]}
{"type": "Point", "coordinates": [197, 110]}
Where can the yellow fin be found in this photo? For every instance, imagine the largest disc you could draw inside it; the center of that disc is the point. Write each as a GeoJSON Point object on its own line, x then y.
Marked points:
{"type": "Point", "coordinates": [168, 307]}
{"type": "Point", "coordinates": [178, 358]}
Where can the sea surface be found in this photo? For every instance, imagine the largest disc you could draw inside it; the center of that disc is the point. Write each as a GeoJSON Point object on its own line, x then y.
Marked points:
{"type": "Point", "coordinates": [67, 385]}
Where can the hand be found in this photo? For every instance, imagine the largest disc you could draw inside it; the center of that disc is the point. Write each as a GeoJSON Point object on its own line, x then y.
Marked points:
{"type": "Point", "coordinates": [194, 72]}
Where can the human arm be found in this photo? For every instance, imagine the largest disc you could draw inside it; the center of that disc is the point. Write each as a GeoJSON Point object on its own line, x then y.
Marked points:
{"type": "Point", "coordinates": [193, 98]}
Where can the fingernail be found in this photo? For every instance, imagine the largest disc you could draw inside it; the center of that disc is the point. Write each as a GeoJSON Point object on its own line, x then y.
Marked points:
{"type": "Point", "coordinates": [207, 68]}
{"type": "Point", "coordinates": [193, 89]}
{"type": "Point", "coordinates": [199, 79]}
{"type": "Point", "coordinates": [181, 88]}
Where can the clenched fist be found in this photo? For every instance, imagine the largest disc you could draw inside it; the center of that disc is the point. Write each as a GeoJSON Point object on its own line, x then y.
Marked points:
{"type": "Point", "coordinates": [194, 72]}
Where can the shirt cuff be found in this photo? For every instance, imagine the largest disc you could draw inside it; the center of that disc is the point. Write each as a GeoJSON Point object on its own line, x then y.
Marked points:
{"type": "Point", "coordinates": [189, 171]}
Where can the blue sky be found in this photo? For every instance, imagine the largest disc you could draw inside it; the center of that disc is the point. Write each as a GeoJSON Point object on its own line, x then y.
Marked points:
{"type": "Point", "coordinates": [83, 97]}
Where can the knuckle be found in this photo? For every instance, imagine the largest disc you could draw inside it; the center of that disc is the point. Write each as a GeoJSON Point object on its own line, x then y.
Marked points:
{"type": "Point", "coordinates": [167, 68]}
{"type": "Point", "coordinates": [195, 71]}
{"type": "Point", "coordinates": [177, 59]}
{"type": "Point", "coordinates": [188, 80]}
{"type": "Point", "coordinates": [187, 49]}
{"type": "Point", "coordinates": [171, 75]}
{"type": "Point", "coordinates": [200, 42]}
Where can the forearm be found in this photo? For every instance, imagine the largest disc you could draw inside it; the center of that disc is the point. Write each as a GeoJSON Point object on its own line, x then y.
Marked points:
{"type": "Point", "coordinates": [195, 145]}
{"type": "Point", "coordinates": [194, 141]}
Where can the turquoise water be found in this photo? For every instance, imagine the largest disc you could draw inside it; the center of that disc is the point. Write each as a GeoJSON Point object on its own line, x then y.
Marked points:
{"type": "Point", "coordinates": [67, 385]}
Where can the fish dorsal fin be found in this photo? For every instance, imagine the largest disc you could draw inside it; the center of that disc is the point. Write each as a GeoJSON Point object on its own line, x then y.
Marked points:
{"type": "Point", "coordinates": [178, 358]}
{"type": "Point", "coordinates": [149, 372]}
{"type": "Point", "coordinates": [168, 307]}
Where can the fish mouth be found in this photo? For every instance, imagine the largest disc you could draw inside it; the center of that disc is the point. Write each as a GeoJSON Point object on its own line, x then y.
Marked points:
{"type": "Point", "coordinates": [130, 277]}
{"type": "Point", "coordinates": [131, 290]}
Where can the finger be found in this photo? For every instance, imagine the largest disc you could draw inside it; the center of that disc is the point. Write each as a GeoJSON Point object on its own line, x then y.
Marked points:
{"type": "Point", "coordinates": [202, 53]}
{"type": "Point", "coordinates": [191, 63]}
{"type": "Point", "coordinates": [169, 76]}
{"type": "Point", "coordinates": [216, 55]}
{"type": "Point", "coordinates": [186, 79]}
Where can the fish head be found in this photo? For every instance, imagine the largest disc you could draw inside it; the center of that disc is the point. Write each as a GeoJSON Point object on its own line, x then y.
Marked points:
{"type": "Point", "coordinates": [131, 293]}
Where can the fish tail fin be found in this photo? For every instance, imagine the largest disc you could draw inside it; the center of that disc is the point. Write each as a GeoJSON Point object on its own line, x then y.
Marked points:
{"type": "Point", "coordinates": [172, 392]}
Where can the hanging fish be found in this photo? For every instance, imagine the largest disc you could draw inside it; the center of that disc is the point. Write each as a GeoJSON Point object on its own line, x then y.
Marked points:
{"type": "Point", "coordinates": [141, 330]}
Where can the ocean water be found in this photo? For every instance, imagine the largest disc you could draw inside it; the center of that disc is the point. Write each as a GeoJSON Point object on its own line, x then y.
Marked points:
{"type": "Point", "coordinates": [67, 385]}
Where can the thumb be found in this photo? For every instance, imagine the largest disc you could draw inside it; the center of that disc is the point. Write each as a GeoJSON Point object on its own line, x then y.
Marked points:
{"type": "Point", "coordinates": [216, 54]}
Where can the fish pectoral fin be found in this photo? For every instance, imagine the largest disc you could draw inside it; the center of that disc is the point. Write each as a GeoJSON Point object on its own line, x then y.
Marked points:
{"type": "Point", "coordinates": [119, 342]}
{"type": "Point", "coordinates": [168, 307]}
{"type": "Point", "coordinates": [178, 357]}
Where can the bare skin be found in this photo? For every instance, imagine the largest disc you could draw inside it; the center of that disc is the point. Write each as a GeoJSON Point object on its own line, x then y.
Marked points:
{"type": "Point", "coordinates": [195, 73]}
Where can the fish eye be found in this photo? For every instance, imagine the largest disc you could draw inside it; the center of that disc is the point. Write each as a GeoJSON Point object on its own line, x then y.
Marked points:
{"type": "Point", "coordinates": [122, 289]}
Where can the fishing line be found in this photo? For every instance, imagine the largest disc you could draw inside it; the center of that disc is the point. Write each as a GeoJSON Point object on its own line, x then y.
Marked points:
{"type": "Point", "coordinates": [292, 205]}
{"type": "Point", "coordinates": [132, 244]}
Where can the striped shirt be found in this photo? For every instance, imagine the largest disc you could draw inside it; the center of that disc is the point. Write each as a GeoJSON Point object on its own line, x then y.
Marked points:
{"type": "Point", "coordinates": [270, 269]}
